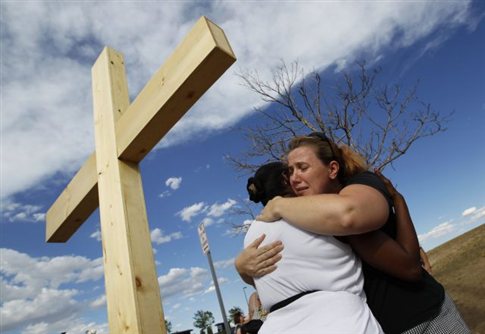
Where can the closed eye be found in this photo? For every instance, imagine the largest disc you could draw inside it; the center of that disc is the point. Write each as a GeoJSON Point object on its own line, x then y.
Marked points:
{"type": "Point", "coordinates": [303, 167]}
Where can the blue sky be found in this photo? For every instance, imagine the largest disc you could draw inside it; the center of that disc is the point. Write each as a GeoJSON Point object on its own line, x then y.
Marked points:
{"type": "Point", "coordinates": [47, 51]}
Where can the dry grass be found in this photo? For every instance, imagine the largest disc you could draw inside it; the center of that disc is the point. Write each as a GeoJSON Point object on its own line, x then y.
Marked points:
{"type": "Point", "coordinates": [459, 265]}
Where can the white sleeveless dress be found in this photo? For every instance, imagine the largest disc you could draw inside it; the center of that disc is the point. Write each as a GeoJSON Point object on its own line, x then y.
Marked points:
{"type": "Point", "coordinates": [312, 262]}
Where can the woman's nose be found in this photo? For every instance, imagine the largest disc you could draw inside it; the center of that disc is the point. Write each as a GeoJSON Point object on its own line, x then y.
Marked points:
{"type": "Point", "coordinates": [294, 178]}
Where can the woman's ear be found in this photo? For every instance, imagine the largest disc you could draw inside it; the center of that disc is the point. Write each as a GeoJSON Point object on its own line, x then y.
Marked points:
{"type": "Point", "coordinates": [333, 168]}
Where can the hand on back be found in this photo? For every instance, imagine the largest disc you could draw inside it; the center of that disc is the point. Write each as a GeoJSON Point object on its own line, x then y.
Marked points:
{"type": "Point", "coordinates": [256, 262]}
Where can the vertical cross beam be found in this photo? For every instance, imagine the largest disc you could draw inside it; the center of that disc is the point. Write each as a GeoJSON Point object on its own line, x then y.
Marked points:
{"type": "Point", "coordinates": [125, 133]}
{"type": "Point", "coordinates": [132, 290]}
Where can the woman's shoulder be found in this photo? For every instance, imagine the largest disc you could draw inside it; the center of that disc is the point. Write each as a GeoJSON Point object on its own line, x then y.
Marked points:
{"type": "Point", "coordinates": [277, 230]}
{"type": "Point", "coordinates": [367, 177]}
{"type": "Point", "coordinates": [256, 228]}
{"type": "Point", "coordinates": [370, 179]}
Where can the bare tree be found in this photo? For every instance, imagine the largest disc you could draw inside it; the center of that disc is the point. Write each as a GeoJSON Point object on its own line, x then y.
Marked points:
{"type": "Point", "coordinates": [381, 123]}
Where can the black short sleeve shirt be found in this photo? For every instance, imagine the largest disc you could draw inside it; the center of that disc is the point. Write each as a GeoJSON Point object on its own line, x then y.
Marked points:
{"type": "Point", "coordinates": [396, 304]}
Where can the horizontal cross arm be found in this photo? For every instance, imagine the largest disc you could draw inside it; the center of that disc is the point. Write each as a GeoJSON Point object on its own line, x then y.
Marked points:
{"type": "Point", "coordinates": [191, 70]}
{"type": "Point", "coordinates": [75, 204]}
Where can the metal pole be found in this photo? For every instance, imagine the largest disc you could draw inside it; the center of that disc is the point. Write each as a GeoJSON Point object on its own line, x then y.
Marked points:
{"type": "Point", "coordinates": [219, 297]}
{"type": "Point", "coordinates": [245, 296]}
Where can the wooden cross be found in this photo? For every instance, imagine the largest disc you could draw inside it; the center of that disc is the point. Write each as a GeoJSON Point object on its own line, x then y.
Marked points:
{"type": "Point", "coordinates": [124, 134]}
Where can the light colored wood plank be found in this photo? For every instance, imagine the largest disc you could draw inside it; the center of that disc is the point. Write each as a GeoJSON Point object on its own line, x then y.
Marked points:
{"type": "Point", "coordinates": [173, 89]}
{"type": "Point", "coordinates": [203, 56]}
{"type": "Point", "coordinates": [132, 291]}
{"type": "Point", "coordinates": [75, 204]}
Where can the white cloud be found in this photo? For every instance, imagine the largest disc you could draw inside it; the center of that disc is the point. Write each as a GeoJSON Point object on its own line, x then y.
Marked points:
{"type": "Point", "coordinates": [98, 302]}
{"type": "Point", "coordinates": [164, 194]}
{"type": "Point", "coordinates": [158, 237]}
{"type": "Point", "coordinates": [217, 210]}
{"type": "Point", "coordinates": [237, 230]}
{"type": "Point", "coordinates": [479, 213]}
{"type": "Point", "coordinates": [62, 41]}
{"type": "Point", "coordinates": [195, 209]}
{"type": "Point", "coordinates": [70, 324]}
{"type": "Point", "coordinates": [248, 222]}
{"type": "Point", "coordinates": [96, 235]}
{"type": "Point", "coordinates": [48, 304]}
{"type": "Point", "coordinates": [212, 288]}
{"type": "Point", "coordinates": [207, 221]}
{"type": "Point", "coordinates": [229, 263]}
{"type": "Point", "coordinates": [39, 217]}
{"type": "Point", "coordinates": [30, 274]}
{"type": "Point", "coordinates": [17, 212]}
{"type": "Point", "coordinates": [185, 282]}
{"type": "Point", "coordinates": [199, 169]}
{"type": "Point", "coordinates": [437, 232]}
{"type": "Point", "coordinates": [33, 290]}
{"type": "Point", "coordinates": [469, 211]}
{"type": "Point", "coordinates": [173, 182]}
{"type": "Point", "coordinates": [176, 306]}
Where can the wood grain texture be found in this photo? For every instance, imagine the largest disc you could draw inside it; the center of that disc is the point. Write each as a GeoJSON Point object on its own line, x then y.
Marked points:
{"type": "Point", "coordinates": [132, 291]}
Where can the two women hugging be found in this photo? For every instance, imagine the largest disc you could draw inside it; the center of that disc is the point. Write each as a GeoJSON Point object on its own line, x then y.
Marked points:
{"type": "Point", "coordinates": [335, 250]}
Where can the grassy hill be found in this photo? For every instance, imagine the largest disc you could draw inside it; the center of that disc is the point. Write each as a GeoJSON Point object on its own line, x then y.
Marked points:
{"type": "Point", "coordinates": [459, 265]}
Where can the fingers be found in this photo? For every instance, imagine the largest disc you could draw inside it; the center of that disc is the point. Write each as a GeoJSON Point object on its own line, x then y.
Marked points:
{"type": "Point", "coordinates": [266, 261]}
{"type": "Point", "coordinates": [270, 262]}
{"type": "Point", "coordinates": [256, 260]}
{"type": "Point", "coordinates": [257, 241]}
{"type": "Point", "coordinates": [268, 213]}
{"type": "Point", "coordinates": [265, 271]}
{"type": "Point", "coordinates": [268, 251]}
{"type": "Point", "coordinates": [266, 218]}
{"type": "Point", "coordinates": [267, 266]}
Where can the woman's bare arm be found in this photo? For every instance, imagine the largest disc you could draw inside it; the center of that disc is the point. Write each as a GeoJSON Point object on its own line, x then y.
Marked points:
{"type": "Point", "coordinates": [399, 258]}
{"type": "Point", "coordinates": [383, 253]}
{"type": "Point", "coordinates": [356, 209]}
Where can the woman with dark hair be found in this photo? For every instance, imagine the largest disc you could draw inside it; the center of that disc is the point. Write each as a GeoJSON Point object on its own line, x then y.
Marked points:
{"type": "Point", "coordinates": [336, 195]}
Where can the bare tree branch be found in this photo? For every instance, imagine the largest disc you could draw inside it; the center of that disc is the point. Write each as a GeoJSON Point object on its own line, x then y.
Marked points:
{"type": "Point", "coordinates": [381, 123]}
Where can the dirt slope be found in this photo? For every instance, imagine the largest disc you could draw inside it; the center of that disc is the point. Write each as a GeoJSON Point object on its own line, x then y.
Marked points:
{"type": "Point", "coordinates": [459, 265]}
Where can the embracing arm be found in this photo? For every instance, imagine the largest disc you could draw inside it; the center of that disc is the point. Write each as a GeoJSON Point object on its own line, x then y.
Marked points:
{"type": "Point", "coordinates": [383, 253]}
{"type": "Point", "coordinates": [356, 209]}
{"type": "Point", "coordinates": [399, 258]}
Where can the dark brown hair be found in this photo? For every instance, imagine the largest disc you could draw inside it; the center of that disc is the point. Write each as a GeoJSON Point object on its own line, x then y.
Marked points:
{"type": "Point", "coordinates": [268, 181]}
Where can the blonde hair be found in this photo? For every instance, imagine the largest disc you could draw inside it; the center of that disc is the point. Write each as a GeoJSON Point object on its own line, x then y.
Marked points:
{"type": "Point", "coordinates": [350, 162]}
